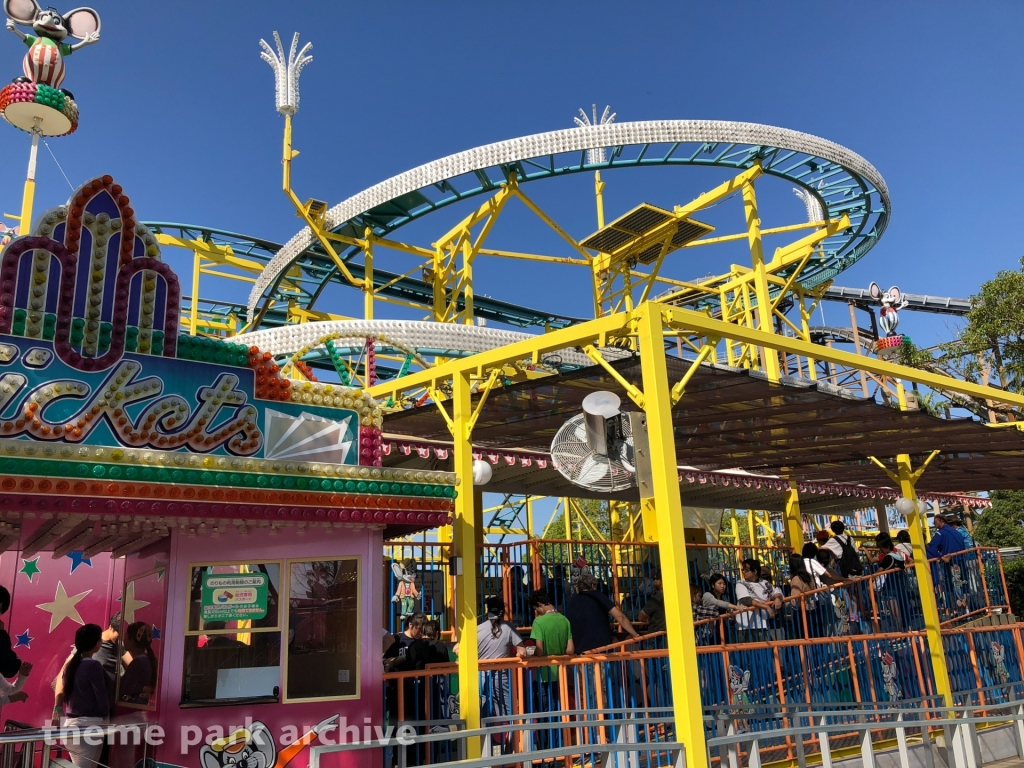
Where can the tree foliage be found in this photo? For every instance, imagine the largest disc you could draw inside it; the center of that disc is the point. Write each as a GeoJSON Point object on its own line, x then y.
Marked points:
{"type": "Point", "coordinates": [598, 512]}
{"type": "Point", "coordinates": [1002, 524]}
{"type": "Point", "coordinates": [1014, 572]}
{"type": "Point", "coordinates": [989, 346]}
{"type": "Point", "coordinates": [995, 327]}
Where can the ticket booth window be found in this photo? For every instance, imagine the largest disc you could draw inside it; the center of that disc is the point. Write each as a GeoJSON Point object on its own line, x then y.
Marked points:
{"type": "Point", "coordinates": [322, 659]}
{"type": "Point", "coordinates": [233, 634]}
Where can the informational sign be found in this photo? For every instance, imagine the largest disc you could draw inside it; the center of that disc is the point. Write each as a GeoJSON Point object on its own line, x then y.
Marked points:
{"type": "Point", "coordinates": [234, 597]}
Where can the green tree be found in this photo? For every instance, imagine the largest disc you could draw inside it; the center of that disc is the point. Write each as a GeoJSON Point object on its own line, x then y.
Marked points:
{"type": "Point", "coordinates": [995, 327]}
{"type": "Point", "coordinates": [989, 347]}
{"type": "Point", "coordinates": [598, 512]}
{"type": "Point", "coordinates": [1002, 524]}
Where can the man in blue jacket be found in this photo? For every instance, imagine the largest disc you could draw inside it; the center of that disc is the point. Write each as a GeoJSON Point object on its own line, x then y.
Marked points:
{"type": "Point", "coordinates": [946, 541]}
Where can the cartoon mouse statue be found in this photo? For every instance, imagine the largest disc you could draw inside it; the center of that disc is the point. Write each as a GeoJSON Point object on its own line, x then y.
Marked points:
{"type": "Point", "coordinates": [44, 62]}
{"type": "Point", "coordinates": [892, 302]}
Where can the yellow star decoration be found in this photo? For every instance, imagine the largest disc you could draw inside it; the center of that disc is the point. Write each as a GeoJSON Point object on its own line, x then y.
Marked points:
{"type": "Point", "coordinates": [63, 607]}
{"type": "Point", "coordinates": [131, 604]}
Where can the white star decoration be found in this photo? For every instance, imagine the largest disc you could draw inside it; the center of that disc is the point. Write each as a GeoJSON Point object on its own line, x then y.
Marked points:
{"type": "Point", "coordinates": [63, 607]}
{"type": "Point", "coordinates": [130, 605]}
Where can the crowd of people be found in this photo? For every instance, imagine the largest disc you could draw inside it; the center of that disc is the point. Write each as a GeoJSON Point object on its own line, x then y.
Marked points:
{"type": "Point", "coordinates": [105, 667]}
{"type": "Point", "coordinates": [757, 606]}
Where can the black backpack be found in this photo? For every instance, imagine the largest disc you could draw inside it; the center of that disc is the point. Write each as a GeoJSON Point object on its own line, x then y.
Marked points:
{"type": "Point", "coordinates": [849, 564]}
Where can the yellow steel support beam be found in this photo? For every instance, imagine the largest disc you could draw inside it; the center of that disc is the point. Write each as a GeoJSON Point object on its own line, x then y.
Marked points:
{"type": "Point", "coordinates": [684, 319]}
{"type": "Point", "coordinates": [598, 331]}
{"type": "Point", "coordinates": [764, 307]}
{"type": "Point", "coordinates": [465, 536]}
{"type": "Point", "coordinates": [793, 523]}
{"type": "Point", "coordinates": [193, 313]}
{"type": "Point", "coordinates": [649, 515]}
{"type": "Point", "coordinates": [668, 507]}
{"type": "Point", "coordinates": [634, 393]}
{"type": "Point", "coordinates": [916, 523]}
{"type": "Point", "coordinates": [368, 291]}
{"type": "Point", "coordinates": [527, 349]}
{"type": "Point", "coordinates": [680, 388]}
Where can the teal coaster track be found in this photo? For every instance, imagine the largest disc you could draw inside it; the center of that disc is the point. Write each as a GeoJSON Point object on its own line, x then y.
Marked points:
{"type": "Point", "coordinates": [840, 181]}
{"type": "Point", "coordinates": [318, 271]}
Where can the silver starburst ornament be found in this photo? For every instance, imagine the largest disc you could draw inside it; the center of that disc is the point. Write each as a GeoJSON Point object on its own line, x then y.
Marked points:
{"type": "Point", "coordinates": [286, 71]}
{"type": "Point", "coordinates": [595, 156]}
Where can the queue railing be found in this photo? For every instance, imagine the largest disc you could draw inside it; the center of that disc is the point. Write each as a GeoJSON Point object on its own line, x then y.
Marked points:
{"type": "Point", "coordinates": [969, 585]}
{"type": "Point", "coordinates": [885, 602]}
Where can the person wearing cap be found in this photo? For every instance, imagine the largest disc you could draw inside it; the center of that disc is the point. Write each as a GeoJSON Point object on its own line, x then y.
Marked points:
{"type": "Point", "coordinates": [945, 542]}
{"type": "Point", "coordinates": [958, 525]}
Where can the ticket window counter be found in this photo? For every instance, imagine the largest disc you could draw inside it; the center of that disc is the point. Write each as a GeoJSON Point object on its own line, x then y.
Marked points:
{"type": "Point", "coordinates": [273, 631]}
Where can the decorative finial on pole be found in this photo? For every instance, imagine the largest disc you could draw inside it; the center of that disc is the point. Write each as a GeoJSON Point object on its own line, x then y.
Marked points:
{"type": "Point", "coordinates": [595, 156]}
{"type": "Point", "coordinates": [811, 204]}
{"type": "Point", "coordinates": [286, 71]}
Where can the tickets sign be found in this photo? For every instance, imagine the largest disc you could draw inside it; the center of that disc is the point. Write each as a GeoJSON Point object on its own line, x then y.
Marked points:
{"type": "Point", "coordinates": [234, 597]}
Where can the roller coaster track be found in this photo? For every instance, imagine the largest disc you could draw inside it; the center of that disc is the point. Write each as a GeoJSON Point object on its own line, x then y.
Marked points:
{"type": "Point", "coordinates": [317, 274]}
{"type": "Point", "coordinates": [938, 305]}
{"type": "Point", "coordinates": [841, 183]}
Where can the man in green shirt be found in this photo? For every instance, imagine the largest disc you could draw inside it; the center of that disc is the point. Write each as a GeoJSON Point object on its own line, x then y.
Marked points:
{"type": "Point", "coordinates": [553, 635]}
{"type": "Point", "coordinates": [551, 630]}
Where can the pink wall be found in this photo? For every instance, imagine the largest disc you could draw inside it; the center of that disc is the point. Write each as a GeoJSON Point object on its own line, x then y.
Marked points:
{"type": "Point", "coordinates": [254, 547]}
{"type": "Point", "coordinates": [89, 588]}
{"type": "Point", "coordinates": [95, 589]}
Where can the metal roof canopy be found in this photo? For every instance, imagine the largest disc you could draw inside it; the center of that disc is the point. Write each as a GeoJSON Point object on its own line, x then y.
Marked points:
{"type": "Point", "coordinates": [734, 418]}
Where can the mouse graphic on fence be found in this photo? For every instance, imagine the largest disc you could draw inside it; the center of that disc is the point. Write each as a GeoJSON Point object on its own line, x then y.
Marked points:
{"type": "Point", "coordinates": [407, 592]}
{"type": "Point", "coordinates": [999, 670]}
{"type": "Point", "coordinates": [892, 688]}
{"type": "Point", "coordinates": [959, 584]}
{"type": "Point", "coordinates": [842, 612]}
{"type": "Point", "coordinates": [739, 683]}
{"type": "Point", "coordinates": [254, 747]}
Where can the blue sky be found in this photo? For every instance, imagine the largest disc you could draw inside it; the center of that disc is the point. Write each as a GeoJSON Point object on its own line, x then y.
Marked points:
{"type": "Point", "coordinates": [177, 105]}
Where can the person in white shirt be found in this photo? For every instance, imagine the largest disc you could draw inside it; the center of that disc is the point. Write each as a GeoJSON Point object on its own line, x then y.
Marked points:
{"type": "Point", "coordinates": [753, 592]}
{"type": "Point", "coordinates": [837, 543]}
{"type": "Point", "coordinates": [904, 547]}
{"type": "Point", "coordinates": [10, 693]}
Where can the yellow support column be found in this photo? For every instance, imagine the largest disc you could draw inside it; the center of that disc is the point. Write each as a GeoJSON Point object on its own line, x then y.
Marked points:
{"type": "Point", "coordinates": [764, 304]}
{"type": "Point", "coordinates": [751, 528]}
{"type": "Point", "coordinates": [368, 276]}
{"type": "Point", "coordinates": [649, 515]}
{"type": "Point", "coordinates": [193, 312]}
{"type": "Point", "coordinates": [791, 517]}
{"type": "Point", "coordinates": [465, 550]}
{"type": "Point", "coordinates": [916, 522]}
{"type": "Point", "coordinates": [669, 512]}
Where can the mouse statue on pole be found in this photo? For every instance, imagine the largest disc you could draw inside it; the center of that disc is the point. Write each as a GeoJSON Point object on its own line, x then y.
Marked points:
{"type": "Point", "coordinates": [35, 102]}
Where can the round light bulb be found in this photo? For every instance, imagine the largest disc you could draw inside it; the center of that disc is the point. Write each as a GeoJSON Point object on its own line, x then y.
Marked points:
{"type": "Point", "coordinates": [905, 506]}
{"type": "Point", "coordinates": [482, 472]}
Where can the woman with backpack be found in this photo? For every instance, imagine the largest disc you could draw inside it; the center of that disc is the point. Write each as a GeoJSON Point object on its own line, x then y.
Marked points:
{"type": "Point", "coordinates": [891, 585]}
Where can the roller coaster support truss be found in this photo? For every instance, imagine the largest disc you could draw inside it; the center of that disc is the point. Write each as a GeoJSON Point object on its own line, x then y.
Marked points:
{"type": "Point", "coordinates": [647, 326]}
{"type": "Point", "coordinates": [751, 296]}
